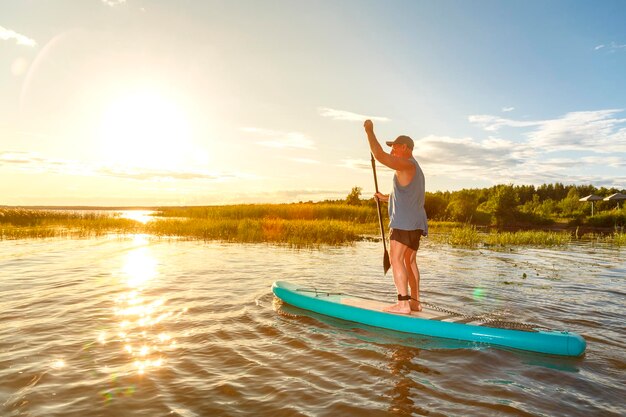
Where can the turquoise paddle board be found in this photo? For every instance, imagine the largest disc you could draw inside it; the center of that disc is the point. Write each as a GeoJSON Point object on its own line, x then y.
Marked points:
{"type": "Point", "coordinates": [427, 322]}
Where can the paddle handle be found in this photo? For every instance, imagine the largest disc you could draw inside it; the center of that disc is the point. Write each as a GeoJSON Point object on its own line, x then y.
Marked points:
{"type": "Point", "coordinates": [374, 169]}
{"type": "Point", "coordinates": [380, 215]}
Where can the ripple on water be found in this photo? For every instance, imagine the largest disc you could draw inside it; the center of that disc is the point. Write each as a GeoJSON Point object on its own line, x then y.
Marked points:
{"type": "Point", "coordinates": [137, 326]}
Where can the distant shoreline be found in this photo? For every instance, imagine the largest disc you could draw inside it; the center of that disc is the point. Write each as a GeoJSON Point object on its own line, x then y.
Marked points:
{"type": "Point", "coordinates": [296, 224]}
{"type": "Point", "coordinates": [87, 207]}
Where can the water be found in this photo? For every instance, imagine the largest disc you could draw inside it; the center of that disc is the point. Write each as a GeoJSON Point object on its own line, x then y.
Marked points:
{"type": "Point", "coordinates": [133, 326]}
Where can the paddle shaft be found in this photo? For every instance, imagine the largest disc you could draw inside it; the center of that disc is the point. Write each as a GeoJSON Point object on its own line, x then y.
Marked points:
{"type": "Point", "coordinates": [380, 215]}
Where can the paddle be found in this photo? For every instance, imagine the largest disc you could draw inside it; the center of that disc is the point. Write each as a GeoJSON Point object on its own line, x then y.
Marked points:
{"type": "Point", "coordinates": [386, 263]}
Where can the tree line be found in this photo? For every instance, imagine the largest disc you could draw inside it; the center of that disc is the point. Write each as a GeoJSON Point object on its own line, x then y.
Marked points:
{"type": "Point", "coordinates": [519, 205]}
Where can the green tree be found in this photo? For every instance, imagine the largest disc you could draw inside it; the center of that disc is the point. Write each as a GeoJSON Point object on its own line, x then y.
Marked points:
{"type": "Point", "coordinates": [353, 198]}
{"type": "Point", "coordinates": [548, 208]}
{"type": "Point", "coordinates": [525, 193]}
{"type": "Point", "coordinates": [435, 205]}
{"type": "Point", "coordinates": [570, 206]}
{"type": "Point", "coordinates": [503, 204]}
{"type": "Point", "coordinates": [462, 206]}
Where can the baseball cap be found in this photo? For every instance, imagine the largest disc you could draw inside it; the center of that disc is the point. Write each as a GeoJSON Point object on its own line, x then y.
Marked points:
{"type": "Point", "coordinates": [402, 140]}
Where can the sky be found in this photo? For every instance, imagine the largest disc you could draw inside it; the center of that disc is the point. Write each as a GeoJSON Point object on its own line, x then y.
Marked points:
{"type": "Point", "coordinates": [156, 102]}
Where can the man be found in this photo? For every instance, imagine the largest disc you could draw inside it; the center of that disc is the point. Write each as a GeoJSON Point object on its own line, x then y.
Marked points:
{"type": "Point", "coordinates": [407, 217]}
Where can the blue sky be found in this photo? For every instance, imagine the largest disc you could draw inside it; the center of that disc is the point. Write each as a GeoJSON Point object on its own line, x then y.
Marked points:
{"type": "Point", "coordinates": [146, 102]}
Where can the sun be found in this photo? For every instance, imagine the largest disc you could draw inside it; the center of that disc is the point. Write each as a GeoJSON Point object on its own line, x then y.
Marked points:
{"type": "Point", "coordinates": [145, 129]}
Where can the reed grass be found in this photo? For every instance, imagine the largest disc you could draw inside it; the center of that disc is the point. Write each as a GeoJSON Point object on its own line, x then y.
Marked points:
{"type": "Point", "coordinates": [466, 236]}
{"type": "Point", "coordinates": [298, 225]}
{"type": "Point", "coordinates": [528, 238]}
{"type": "Point", "coordinates": [28, 223]}
{"type": "Point", "coordinates": [619, 239]}
{"type": "Point", "coordinates": [297, 233]}
{"type": "Point", "coordinates": [470, 237]}
{"type": "Point", "coordinates": [301, 211]}
{"type": "Point", "coordinates": [616, 239]}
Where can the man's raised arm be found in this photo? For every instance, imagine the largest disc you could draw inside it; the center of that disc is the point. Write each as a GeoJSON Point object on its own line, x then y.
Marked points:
{"type": "Point", "coordinates": [381, 156]}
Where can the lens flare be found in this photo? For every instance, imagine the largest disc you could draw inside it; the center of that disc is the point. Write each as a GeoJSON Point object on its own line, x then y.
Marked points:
{"type": "Point", "coordinates": [478, 293]}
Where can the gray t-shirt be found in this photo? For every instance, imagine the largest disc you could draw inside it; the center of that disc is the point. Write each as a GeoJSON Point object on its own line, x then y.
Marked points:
{"type": "Point", "coordinates": [406, 204]}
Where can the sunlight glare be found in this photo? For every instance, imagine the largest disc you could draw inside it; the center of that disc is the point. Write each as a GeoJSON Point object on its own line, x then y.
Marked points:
{"type": "Point", "coordinates": [145, 129]}
{"type": "Point", "coordinates": [140, 267]}
{"type": "Point", "coordinates": [58, 364]}
{"type": "Point", "coordinates": [142, 216]}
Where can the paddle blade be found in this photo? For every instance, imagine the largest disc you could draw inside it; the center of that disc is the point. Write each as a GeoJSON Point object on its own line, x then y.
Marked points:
{"type": "Point", "coordinates": [386, 262]}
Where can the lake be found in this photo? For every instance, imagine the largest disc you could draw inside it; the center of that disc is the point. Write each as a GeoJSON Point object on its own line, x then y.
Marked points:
{"type": "Point", "coordinates": [137, 326]}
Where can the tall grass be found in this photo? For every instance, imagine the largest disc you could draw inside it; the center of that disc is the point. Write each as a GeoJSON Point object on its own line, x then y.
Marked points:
{"type": "Point", "coordinates": [25, 223]}
{"type": "Point", "coordinates": [619, 239]}
{"type": "Point", "coordinates": [616, 239]}
{"type": "Point", "coordinates": [613, 218]}
{"type": "Point", "coordinates": [468, 236]}
{"type": "Point", "coordinates": [528, 238]}
{"type": "Point", "coordinates": [29, 218]}
{"type": "Point", "coordinates": [301, 211]}
{"type": "Point", "coordinates": [298, 225]}
{"type": "Point", "coordinates": [298, 233]}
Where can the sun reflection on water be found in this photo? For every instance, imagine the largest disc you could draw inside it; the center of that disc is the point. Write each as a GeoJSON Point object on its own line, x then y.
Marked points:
{"type": "Point", "coordinates": [142, 316]}
{"type": "Point", "coordinates": [140, 267]}
{"type": "Point", "coordinates": [142, 216]}
{"type": "Point", "coordinates": [58, 364]}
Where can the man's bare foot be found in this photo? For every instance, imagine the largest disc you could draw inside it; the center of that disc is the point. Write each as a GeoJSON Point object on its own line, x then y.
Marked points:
{"type": "Point", "coordinates": [399, 308]}
{"type": "Point", "coordinates": [415, 305]}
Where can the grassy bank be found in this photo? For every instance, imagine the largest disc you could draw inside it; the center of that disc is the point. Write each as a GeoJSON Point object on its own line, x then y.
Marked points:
{"type": "Point", "coordinates": [299, 225]}
{"type": "Point", "coordinates": [299, 233]}
{"type": "Point", "coordinates": [25, 223]}
{"type": "Point", "coordinates": [300, 211]}
{"type": "Point", "coordinates": [470, 237]}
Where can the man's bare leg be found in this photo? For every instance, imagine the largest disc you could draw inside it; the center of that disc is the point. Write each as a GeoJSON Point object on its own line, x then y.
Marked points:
{"type": "Point", "coordinates": [397, 252]}
{"type": "Point", "coordinates": [413, 272]}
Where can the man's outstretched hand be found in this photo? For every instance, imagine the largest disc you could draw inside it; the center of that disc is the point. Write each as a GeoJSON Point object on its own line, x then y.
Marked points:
{"type": "Point", "coordinates": [369, 126]}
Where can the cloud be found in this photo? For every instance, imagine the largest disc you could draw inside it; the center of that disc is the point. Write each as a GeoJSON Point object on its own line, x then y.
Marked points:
{"type": "Point", "coordinates": [349, 116]}
{"type": "Point", "coordinates": [305, 160]}
{"type": "Point", "coordinates": [597, 131]}
{"type": "Point", "coordinates": [507, 109]}
{"type": "Point", "coordinates": [494, 123]}
{"type": "Point", "coordinates": [281, 140]}
{"type": "Point", "coordinates": [579, 147]}
{"type": "Point", "coordinates": [18, 158]}
{"type": "Point", "coordinates": [160, 175]}
{"type": "Point", "coordinates": [498, 161]}
{"type": "Point", "coordinates": [611, 48]}
{"type": "Point", "coordinates": [610, 161]}
{"type": "Point", "coordinates": [31, 162]}
{"type": "Point", "coordinates": [358, 164]}
{"type": "Point", "coordinates": [113, 3]}
{"type": "Point", "coordinates": [467, 158]}
{"type": "Point", "coordinates": [306, 194]}
{"type": "Point", "coordinates": [313, 194]}
{"type": "Point", "coordinates": [6, 34]}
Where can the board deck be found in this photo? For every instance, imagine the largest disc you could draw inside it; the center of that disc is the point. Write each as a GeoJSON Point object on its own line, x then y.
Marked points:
{"type": "Point", "coordinates": [427, 322]}
{"type": "Point", "coordinates": [366, 304]}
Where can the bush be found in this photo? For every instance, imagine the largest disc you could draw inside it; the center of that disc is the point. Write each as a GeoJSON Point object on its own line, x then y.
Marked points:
{"type": "Point", "coordinates": [353, 199]}
{"type": "Point", "coordinates": [462, 206]}
{"type": "Point", "coordinates": [435, 206]}
{"type": "Point", "coordinates": [532, 219]}
{"type": "Point", "coordinates": [617, 219]}
{"type": "Point", "coordinates": [482, 218]}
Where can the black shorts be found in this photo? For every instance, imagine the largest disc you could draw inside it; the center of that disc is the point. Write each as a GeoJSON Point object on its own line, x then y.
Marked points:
{"type": "Point", "coordinates": [410, 238]}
